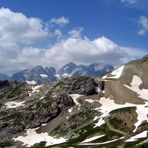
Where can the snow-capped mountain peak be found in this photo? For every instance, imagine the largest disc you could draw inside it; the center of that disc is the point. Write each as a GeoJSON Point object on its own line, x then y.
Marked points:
{"type": "Point", "coordinates": [42, 75]}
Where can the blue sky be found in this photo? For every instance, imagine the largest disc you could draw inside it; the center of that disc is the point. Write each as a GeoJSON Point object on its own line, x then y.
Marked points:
{"type": "Point", "coordinates": [118, 25]}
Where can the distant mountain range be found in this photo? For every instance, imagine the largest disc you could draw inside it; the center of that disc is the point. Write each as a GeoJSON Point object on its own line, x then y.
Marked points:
{"type": "Point", "coordinates": [42, 75]}
{"type": "Point", "coordinates": [4, 77]}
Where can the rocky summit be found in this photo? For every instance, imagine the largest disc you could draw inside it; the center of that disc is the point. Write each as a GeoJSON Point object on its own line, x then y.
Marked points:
{"type": "Point", "coordinates": [108, 111]}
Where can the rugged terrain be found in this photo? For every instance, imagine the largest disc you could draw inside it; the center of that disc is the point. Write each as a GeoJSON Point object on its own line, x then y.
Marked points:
{"type": "Point", "coordinates": [44, 75]}
{"type": "Point", "coordinates": [110, 111]}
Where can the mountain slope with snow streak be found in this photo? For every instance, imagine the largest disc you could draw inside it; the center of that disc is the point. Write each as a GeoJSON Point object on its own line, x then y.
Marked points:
{"type": "Point", "coordinates": [110, 111]}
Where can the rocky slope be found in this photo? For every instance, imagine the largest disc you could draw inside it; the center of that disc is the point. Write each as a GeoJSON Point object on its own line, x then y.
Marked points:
{"type": "Point", "coordinates": [110, 111]}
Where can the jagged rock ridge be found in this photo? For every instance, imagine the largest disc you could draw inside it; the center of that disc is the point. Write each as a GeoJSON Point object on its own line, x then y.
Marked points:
{"type": "Point", "coordinates": [44, 75]}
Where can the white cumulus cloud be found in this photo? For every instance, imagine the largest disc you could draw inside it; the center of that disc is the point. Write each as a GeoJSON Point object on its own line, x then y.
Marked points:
{"type": "Point", "coordinates": [17, 28]}
{"type": "Point", "coordinates": [79, 50]}
{"type": "Point", "coordinates": [19, 36]}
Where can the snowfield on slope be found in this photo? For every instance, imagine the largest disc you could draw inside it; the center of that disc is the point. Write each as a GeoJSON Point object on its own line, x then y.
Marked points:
{"type": "Point", "coordinates": [108, 105]}
{"type": "Point", "coordinates": [14, 104]}
{"type": "Point", "coordinates": [44, 75]}
{"type": "Point", "coordinates": [35, 89]}
{"type": "Point", "coordinates": [134, 86]}
{"type": "Point", "coordinates": [75, 97]}
{"type": "Point", "coordinates": [142, 111]}
{"type": "Point", "coordinates": [144, 134]}
{"type": "Point", "coordinates": [91, 144]}
{"type": "Point", "coordinates": [31, 137]}
{"type": "Point", "coordinates": [92, 138]}
{"type": "Point", "coordinates": [117, 73]}
{"type": "Point", "coordinates": [31, 82]}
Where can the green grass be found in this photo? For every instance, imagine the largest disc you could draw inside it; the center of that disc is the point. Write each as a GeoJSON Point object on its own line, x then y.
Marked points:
{"type": "Point", "coordinates": [118, 124]}
{"type": "Point", "coordinates": [39, 145]}
{"type": "Point", "coordinates": [89, 131]}
{"type": "Point", "coordinates": [125, 109]}
{"type": "Point", "coordinates": [135, 144]}
{"type": "Point", "coordinates": [6, 143]}
{"type": "Point", "coordinates": [75, 122]}
{"type": "Point", "coordinates": [15, 91]}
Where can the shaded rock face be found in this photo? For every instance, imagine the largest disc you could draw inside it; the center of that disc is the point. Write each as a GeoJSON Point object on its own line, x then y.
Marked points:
{"type": "Point", "coordinates": [47, 109]}
{"type": "Point", "coordinates": [80, 85]}
{"type": "Point", "coordinates": [36, 111]}
{"type": "Point", "coordinates": [39, 74]}
{"type": "Point", "coordinates": [101, 85]}
{"type": "Point", "coordinates": [33, 113]}
{"type": "Point", "coordinates": [4, 84]}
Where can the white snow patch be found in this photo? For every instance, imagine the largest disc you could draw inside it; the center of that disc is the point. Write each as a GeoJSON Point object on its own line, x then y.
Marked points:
{"type": "Point", "coordinates": [14, 104]}
{"type": "Point", "coordinates": [44, 75]}
{"type": "Point", "coordinates": [65, 68]}
{"type": "Point", "coordinates": [107, 105]}
{"type": "Point", "coordinates": [136, 82]}
{"type": "Point", "coordinates": [58, 76]}
{"type": "Point", "coordinates": [96, 117]}
{"type": "Point", "coordinates": [31, 137]}
{"type": "Point", "coordinates": [142, 111]}
{"type": "Point", "coordinates": [136, 137]}
{"type": "Point", "coordinates": [90, 100]}
{"type": "Point", "coordinates": [75, 97]}
{"type": "Point", "coordinates": [104, 77]}
{"type": "Point", "coordinates": [101, 142]}
{"type": "Point", "coordinates": [44, 124]}
{"type": "Point", "coordinates": [36, 88]}
{"type": "Point", "coordinates": [92, 138]}
{"type": "Point", "coordinates": [70, 110]}
{"type": "Point", "coordinates": [65, 75]}
{"type": "Point", "coordinates": [117, 73]}
{"type": "Point", "coordinates": [42, 98]}
{"type": "Point", "coordinates": [98, 89]}
{"type": "Point", "coordinates": [31, 82]}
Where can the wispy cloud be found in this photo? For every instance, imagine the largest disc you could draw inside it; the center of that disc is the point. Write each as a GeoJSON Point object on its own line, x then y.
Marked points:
{"type": "Point", "coordinates": [129, 1]}
{"type": "Point", "coordinates": [56, 33]}
{"type": "Point", "coordinates": [60, 21]}
{"type": "Point", "coordinates": [76, 32]}
{"type": "Point", "coordinates": [143, 22]}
